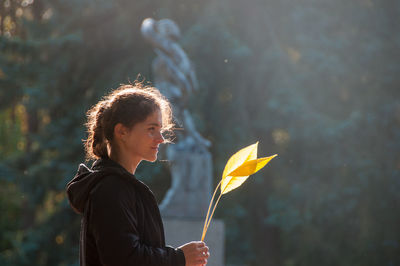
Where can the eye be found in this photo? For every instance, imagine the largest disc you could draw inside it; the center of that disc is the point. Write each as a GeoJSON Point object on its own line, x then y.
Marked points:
{"type": "Point", "coordinates": [152, 128]}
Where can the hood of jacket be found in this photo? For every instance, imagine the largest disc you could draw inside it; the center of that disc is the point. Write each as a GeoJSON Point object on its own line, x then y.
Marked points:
{"type": "Point", "coordinates": [85, 179]}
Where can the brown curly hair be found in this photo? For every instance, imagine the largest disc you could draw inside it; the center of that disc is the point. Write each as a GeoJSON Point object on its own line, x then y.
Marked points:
{"type": "Point", "coordinates": [128, 104]}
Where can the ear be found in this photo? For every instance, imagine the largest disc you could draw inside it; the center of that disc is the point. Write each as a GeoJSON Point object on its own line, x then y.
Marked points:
{"type": "Point", "coordinates": [120, 132]}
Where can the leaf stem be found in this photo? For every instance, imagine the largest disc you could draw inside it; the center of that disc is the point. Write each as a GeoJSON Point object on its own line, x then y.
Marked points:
{"type": "Point", "coordinates": [213, 211]}
{"type": "Point", "coordinates": [203, 234]}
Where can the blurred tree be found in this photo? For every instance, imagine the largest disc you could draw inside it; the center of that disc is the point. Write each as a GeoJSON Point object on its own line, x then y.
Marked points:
{"type": "Point", "coordinates": [65, 57]}
{"type": "Point", "coordinates": [316, 83]}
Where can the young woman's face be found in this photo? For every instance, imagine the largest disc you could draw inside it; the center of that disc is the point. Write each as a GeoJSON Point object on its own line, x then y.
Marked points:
{"type": "Point", "coordinates": [144, 138]}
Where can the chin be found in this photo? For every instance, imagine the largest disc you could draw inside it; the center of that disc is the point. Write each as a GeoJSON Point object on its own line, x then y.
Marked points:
{"type": "Point", "coordinates": [152, 159]}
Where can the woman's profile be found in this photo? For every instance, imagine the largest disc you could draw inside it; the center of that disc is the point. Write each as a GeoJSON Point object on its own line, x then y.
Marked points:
{"type": "Point", "coordinates": [121, 222]}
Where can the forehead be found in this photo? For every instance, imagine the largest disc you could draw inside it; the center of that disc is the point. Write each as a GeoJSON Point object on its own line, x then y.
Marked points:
{"type": "Point", "coordinates": [154, 118]}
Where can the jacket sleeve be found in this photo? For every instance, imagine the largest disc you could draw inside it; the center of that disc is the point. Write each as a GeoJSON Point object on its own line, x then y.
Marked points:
{"type": "Point", "coordinates": [114, 226]}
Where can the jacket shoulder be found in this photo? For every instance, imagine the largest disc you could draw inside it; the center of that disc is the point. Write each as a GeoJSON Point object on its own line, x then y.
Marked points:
{"type": "Point", "coordinates": [113, 186]}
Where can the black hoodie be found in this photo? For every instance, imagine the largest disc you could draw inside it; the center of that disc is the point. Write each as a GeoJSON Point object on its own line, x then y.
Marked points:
{"type": "Point", "coordinates": [121, 222]}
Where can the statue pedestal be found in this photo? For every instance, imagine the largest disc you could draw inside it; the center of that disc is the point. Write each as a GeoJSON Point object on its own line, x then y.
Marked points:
{"type": "Point", "coordinates": [179, 231]}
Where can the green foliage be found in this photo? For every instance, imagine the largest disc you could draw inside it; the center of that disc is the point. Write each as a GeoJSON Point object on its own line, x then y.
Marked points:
{"type": "Point", "coordinates": [316, 83]}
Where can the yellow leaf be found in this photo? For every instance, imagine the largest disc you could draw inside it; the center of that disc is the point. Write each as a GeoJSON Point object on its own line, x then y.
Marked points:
{"type": "Point", "coordinates": [240, 157]}
{"type": "Point", "coordinates": [240, 174]}
{"type": "Point", "coordinates": [238, 168]}
{"type": "Point", "coordinates": [243, 155]}
{"type": "Point", "coordinates": [240, 165]}
{"type": "Point", "coordinates": [251, 167]}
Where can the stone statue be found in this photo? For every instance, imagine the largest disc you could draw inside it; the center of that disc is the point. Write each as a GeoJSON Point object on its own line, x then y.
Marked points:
{"type": "Point", "coordinates": [190, 160]}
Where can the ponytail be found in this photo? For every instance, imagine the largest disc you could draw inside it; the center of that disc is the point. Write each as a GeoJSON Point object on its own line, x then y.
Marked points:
{"type": "Point", "coordinates": [99, 143]}
{"type": "Point", "coordinates": [96, 142]}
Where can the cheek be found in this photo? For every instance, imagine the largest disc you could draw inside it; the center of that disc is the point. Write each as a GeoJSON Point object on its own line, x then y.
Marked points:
{"type": "Point", "coordinates": [137, 142]}
{"type": "Point", "coordinates": [133, 142]}
{"type": "Point", "coordinates": [150, 136]}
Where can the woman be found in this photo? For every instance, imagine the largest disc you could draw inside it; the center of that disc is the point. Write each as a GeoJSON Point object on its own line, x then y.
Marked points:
{"type": "Point", "coordinates": [121, 223]}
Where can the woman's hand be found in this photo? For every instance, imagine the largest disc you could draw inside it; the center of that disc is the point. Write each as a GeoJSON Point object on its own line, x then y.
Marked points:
{"type": "Point", "coordinates": [196, 253]}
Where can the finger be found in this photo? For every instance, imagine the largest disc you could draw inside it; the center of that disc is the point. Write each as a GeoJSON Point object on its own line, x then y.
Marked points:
{"type": "Point", "coordinates": [204, 254]}
{"type": "Point", "coordinates": [201, 261]}
{"type": "Point", "coordinates": [204, 249]}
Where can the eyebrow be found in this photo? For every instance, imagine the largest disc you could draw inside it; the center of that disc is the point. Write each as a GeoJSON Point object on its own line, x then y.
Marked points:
{"type": "Point", "coordinates": [154, 124]}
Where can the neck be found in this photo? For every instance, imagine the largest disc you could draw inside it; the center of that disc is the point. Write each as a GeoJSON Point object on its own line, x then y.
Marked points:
{"type": "Point", "coordinates": [127, 161]}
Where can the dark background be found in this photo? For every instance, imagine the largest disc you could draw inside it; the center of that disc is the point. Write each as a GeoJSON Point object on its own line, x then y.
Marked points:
{"type": "Point", "coordinates": [316, 82]}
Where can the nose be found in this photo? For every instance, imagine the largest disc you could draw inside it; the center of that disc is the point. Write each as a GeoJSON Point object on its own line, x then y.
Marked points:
{"type": "Point", "coordinates": [160, 138]}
